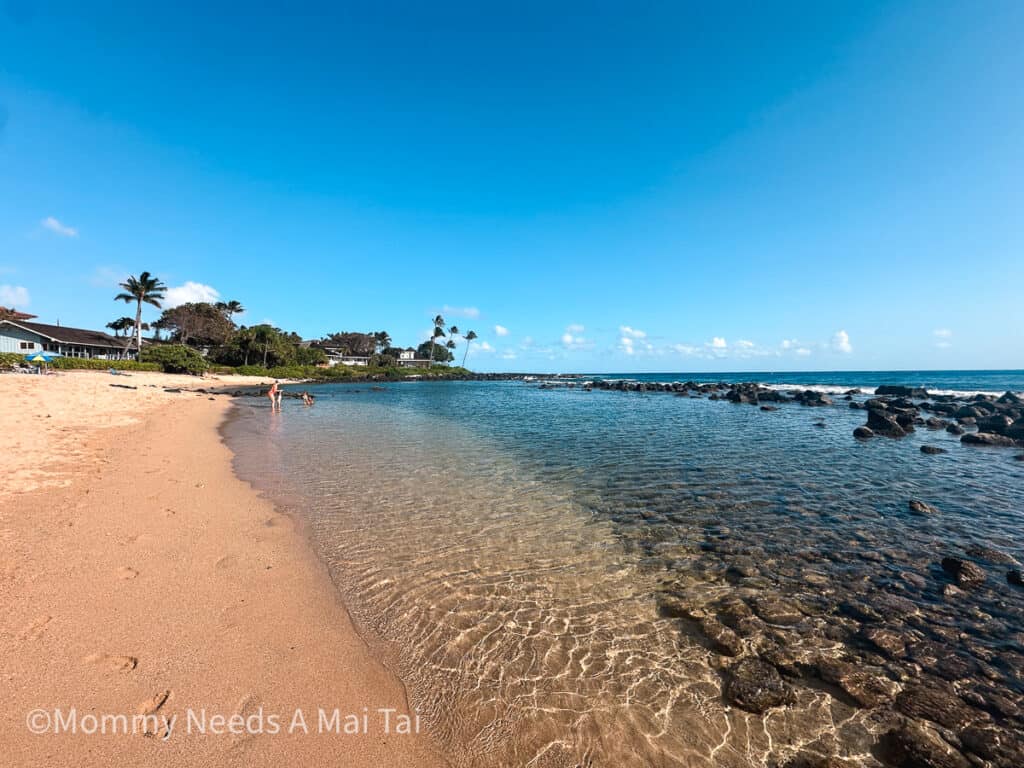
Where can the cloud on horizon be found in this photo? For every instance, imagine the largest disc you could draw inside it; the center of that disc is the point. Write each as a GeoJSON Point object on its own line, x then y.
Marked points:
{"type": "Point", "coordinates": [501, 330]}
{"type": "Point", "coordinates": [191, 292]}
{"type": "Point", "coordinates": [56, 226]}
{"type": "Point", "coordinates": [841, 343]}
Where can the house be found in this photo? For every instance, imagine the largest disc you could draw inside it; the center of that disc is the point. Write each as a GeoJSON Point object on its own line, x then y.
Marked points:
{"type": "Point", "coordinates": [23, 337]}
{"type": "Point", "coordinates": [407, 359]}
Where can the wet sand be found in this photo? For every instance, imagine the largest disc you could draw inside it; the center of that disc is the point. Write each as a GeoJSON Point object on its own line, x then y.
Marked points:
{"type": "Point", "coordinates": [139, 576]}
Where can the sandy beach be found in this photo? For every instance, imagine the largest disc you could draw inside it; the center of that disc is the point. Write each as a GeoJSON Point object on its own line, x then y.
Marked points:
{"type": "Point", "coordinates": [140, 577]}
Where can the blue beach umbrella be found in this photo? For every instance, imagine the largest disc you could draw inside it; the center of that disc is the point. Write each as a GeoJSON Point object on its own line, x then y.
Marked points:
{"type": "Point", "coordinates": [39, 357]}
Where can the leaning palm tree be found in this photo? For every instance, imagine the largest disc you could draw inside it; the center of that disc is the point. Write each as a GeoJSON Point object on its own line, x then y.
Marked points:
{"type": "Point", "coordinates": [469, 339]}
{"type": "Point", "coordinates": [450, 344]}
{"type": "Point", "coordinates": [145, 289]}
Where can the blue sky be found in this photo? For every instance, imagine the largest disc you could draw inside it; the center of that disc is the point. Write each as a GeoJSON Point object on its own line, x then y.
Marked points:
{"type": "Point", "coordinates": [594, 186]}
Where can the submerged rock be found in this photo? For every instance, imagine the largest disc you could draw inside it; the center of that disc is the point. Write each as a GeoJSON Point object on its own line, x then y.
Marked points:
{"type": "Point", "coordinates": [966, 574]}
{"type": "Point", "coordinates": [932, 450]}
{"type": "Point", "coordinates": [868, 686]}
{"type": "Point", "coordinates": [988, 438]}
{"type": "Point", "coordinates": [863, 433]}
{"type": "Point", "coordinates": [914, 746]}
{"type": "Point", "coordinates": [939, 703]}
{"type": "Point", "coordinates": [955, 429]}
{"type": "Point", "coordinates": [757, 686]}
{"type": "Point", "coordinates": [1015, 577]}
{"type": "Point", "coordinates": [920, 508]}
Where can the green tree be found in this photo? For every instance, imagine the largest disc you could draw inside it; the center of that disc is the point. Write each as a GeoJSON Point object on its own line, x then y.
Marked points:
{"type": "Point", "coordinates": [198, 323]}
{"type": "Point", "coordinates": [121, 325]}
{"type": "Point", "coordinates": [469, 340]}
{"type": "Point", "coordinates": [230, 308]}
{"type": "Point", "coordinates": [441, 354]}
{"type": "Point", "coordinates": [144, 289]}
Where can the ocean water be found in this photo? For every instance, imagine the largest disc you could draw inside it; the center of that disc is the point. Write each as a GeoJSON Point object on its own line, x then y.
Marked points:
{"type": "Point", "coordinates": [546, 568]}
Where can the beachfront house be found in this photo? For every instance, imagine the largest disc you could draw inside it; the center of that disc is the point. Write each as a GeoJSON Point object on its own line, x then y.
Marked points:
{"type": "Point", "coordinates": [407, 359]}
{"type": "Point", "coordinates": [23, 337]}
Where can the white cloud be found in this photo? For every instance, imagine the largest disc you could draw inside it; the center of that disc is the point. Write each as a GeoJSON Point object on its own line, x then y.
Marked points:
{"type": "Point", "coordinates": [509, 355]}
{"type": "Point", "coordinates": [526, 342]}
{"type": "Point", "coordinates": [744, 344]}
{"type": "Point", "coordinates": [14, 296]}
{"type": "Point", "coordinates": [943, 338]}
{"type": "Point", "coordinates": [633, 333]}
{"type": "Point", "coordinates": [572, 339]}
{"type": "Point", "coordinates": [471, 312]}
{"type": "Point", "coordinates": [803, 352]}
{"type": "Point", "coordinates": [626, 345]}
{"type": "Point", "coordinates": [841, 342]}
{"type": "Point", "coordinates": [718, 343]}
{"type": "Point", "coordinates": [190, 292]}
{"type": "Point", "coordinates": [483, 346]}
{"type": "Point", "coordinates": [501, 330]}
{"type": "Point", "coordinates": [684, 349]}
{"type": "Point", "coordinates": [54, 225]}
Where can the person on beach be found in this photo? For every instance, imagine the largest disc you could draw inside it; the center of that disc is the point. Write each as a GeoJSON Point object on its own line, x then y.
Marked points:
{"type": "Point", "coordinates": [307, 398]}
{"type": "Point", "coordinates": [279, 395]}
{"type": "Point", "coordinates": [275, 397]}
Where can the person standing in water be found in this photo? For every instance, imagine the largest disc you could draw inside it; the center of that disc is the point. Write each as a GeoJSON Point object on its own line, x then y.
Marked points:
{"type": "Point", "coordinates": [274, 393]}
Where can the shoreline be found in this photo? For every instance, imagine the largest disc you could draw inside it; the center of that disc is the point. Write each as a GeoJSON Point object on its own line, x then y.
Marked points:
{"type": "Point", "coordinates": [145, 578]}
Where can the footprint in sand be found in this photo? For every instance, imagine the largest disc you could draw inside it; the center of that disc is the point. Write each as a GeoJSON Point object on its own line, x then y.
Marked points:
{"type": "Point", "coordinates": [228, 561]}
{"type": "Point", "coordinates": [113, 663]}
{"type": "Point", "coordinates": [149, 707]}
{"type": "Point", "coordinates": [35, 630]}
{"type": "Point", "coordinates": [124, 572]}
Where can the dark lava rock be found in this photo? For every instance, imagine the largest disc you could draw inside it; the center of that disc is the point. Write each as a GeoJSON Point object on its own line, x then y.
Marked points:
{"type": "Point", "coordinates": [901, 391]}
{"type": "Point", "coordinates": [868, 686]}
{"type": "Point", "coordinates": [920, 508]}
{"type": "Point", "coordinates": [776, 610]}
{"type": "Point", "coordinates": [724, 639]}
{"type": "Point", "coordinates": [988, 438]}
{"type": "Point", "coordinates": [1003, 748]}
{"type": "Point", "coordinates": [997, 423]}
{"type": "Point", "coordinates": [937, 702]}
{"type": "Point", "coordinates": [863, 433]}
{"type": "Point", "coordinates": [966, 574]}
{"type": "Point", "coordinates": [769, 408]}
{"type": "Point", "coordinates": [955, 429]}
{"type": "Point", "coordinates": [890, 642]}
{"type": "Point", "coordinates": [934, 423]}
{"type": "Point", "coordinates": [914, 746]}
{"type": "Point", "coordinates": [932, 450]}
{"type": "Point", "coordinates": [757, 686]}
{"type": "Point", "coordinates": [672, 607]}
{"type": "Point", "coordinates": [1019, 457]}
{"type": "Point", "coordinates": [1015, 577]}
{"type": "Point", "coordinates": [1015, 430]}
{"type": "Point", "coordinates": [884, 423]}
{"type": "Point", "coordinates": [812, 398]}
{"type": "Point", "coordinates": [990, 555]}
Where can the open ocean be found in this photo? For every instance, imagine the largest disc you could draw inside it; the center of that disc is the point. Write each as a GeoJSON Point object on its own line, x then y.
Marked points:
{"type": "Point", "coordinates": [550, 570]}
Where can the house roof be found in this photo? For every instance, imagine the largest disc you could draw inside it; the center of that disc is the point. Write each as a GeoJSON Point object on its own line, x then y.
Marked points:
{"type": "Point", "coordinates": [67, 335]}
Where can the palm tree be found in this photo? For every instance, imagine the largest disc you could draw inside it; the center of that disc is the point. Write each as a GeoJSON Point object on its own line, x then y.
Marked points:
{"type": "Point", "coordinates": [382, 340]}
{"type": "Point", "coordinates": [450, 344]}
{"type": "Point", "coordinates": [145, 289]}
{"type": "Point", "coordinates": [121, 325]}
{"type": "Point", "coordinates": [469, 339]}
{"type": "Point", "coordinates": [230, 308]}
{"type": "Point", "coordinates": [262, 334]}
{"type": "Point", "coordinates": [438, 334]}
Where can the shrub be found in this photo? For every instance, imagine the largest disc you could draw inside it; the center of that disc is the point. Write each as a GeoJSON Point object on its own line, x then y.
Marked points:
{"type": "Point", "coordinates": [94, 364]}
{"type": "Point", "coordinates": [176, 358]}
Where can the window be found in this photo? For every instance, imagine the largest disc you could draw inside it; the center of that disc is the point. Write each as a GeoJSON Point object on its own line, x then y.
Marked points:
{"type": "Point", "coordinates": [28, 345]}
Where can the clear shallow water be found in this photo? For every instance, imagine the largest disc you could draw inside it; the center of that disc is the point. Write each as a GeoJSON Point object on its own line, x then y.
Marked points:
{"type": "Point", "coordinates": [515, 548]}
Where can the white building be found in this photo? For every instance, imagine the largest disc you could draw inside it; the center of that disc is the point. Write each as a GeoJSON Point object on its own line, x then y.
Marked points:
{"type": "Point", "coordinates": [22, 337]}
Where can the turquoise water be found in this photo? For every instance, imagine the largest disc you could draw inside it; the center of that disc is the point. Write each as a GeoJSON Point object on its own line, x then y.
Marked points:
{"type": "Point", "coordinates": [511, 551]}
